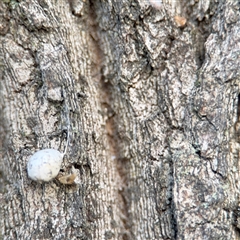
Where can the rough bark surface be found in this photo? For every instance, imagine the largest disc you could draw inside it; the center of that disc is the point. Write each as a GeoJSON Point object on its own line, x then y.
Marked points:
{"type": "Point", "coordinates": [150, 93]}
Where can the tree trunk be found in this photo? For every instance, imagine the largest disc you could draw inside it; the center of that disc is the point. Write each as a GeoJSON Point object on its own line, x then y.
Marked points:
{"type": "Point", "coordinates": [149, 93]}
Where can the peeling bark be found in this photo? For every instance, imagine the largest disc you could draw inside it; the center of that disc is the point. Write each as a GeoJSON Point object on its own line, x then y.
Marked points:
{"type": "Point", "coordinates": [150, 94]}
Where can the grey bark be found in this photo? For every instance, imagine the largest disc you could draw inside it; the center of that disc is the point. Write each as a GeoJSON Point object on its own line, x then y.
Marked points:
{"type": "Point", "coordinates": [153, 108]}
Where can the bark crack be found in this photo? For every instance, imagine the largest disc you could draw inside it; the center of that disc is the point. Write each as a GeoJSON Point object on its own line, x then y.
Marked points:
{"type": "Point", "coordinates": [112, 149]}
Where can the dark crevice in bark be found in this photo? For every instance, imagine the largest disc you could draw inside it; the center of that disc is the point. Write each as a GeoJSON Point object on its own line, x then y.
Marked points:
{"type": "Point", "coordinates": [238, 109]}
{"type": "Point", "coordinates": [121, 164]}
{"type": "Point", "coordinates": [174, 224]}
{"type": "Point", "coordinates": [217, 172]}
{"type": "Point", "coordinates": [174, 221]}
{"type": "Point", "coordinates": [198, 152]}
{"type": "Point", "coordinates": [106, 90]}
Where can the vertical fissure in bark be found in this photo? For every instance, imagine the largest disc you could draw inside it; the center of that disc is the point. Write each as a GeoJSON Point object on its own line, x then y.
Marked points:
{"type": "Point", "coordinates": [238, 108]}
{"type": "Point", "coordinates": [171, 198]}
{"type": "Point", "coordinates": [112, 150]}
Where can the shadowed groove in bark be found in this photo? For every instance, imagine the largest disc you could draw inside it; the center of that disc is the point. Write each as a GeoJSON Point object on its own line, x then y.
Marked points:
{"type": "Point", "coordinates": [105, 98]}
{"type": "Point", "coordinates": [238, 108]}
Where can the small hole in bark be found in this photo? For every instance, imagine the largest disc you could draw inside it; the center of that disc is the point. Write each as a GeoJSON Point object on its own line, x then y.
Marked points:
{"type": "Point", "coordinates": [198, 152]}
{"type": "Point", "coordinates": [81, 95]}
{"type": "Point", "coordinates": [77, 166]}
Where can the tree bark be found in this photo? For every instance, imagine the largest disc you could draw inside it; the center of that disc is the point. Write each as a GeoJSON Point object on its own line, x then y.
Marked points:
{"type": "Point", "coordinates": [149, 92]}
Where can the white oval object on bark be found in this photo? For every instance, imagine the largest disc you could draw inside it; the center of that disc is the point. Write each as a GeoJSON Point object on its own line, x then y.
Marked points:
{"type": "Point", "coordinates": [44, 165]}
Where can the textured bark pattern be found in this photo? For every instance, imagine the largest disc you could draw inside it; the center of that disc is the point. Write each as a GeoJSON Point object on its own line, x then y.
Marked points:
{"type": "Point", "coordinates": [51, 82]}
{"type": "Point", "coordinates": [153, 109]}
{"type": "Point", "coordinates": [174, 94]}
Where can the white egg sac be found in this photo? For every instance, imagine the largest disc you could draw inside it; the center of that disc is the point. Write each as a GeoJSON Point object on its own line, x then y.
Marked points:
{"type": "Point", "coordinates": [44, 165]}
